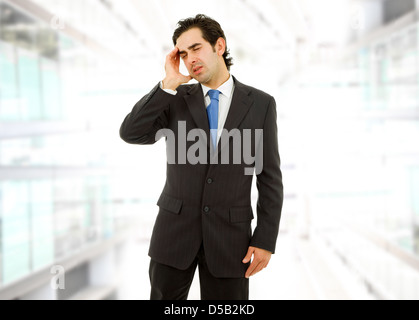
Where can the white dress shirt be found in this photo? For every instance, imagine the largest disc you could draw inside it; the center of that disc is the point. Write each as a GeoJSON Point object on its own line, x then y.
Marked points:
{"type": "Point", "coordinates": [226, 94]}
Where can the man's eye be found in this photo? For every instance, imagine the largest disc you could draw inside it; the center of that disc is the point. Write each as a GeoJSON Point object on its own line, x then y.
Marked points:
{"type": "Point", "coordinates": [196, 49]}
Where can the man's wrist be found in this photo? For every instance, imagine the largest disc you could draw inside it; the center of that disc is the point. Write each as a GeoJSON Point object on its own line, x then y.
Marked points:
{"type": "Point", "coordinates": [171, 91]}
{"type": "Point", "coordinates": [263, 246]}
{"type": "Point", "coordinates": [169, 84]}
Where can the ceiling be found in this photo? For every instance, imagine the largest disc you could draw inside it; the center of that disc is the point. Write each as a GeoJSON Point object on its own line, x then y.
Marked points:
{"type": "Point", "coordinates": [276, 33]}
{"type": "Point", "coordinates": [257, 31]}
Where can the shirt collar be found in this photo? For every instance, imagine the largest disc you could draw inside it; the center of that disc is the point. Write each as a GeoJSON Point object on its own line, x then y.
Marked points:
{"type": "Point", "coordinates": [226, 88]}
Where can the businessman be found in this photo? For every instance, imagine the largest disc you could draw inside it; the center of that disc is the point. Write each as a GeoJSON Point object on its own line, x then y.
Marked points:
{"type": "Point", "coordinates": [205, 211]}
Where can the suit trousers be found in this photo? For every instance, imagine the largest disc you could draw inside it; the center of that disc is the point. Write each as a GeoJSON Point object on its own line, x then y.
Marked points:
{"type": "Point", "coordinates": [168, 283]}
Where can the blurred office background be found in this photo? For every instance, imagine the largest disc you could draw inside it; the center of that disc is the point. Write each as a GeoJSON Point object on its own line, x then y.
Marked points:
{"type": "Point", "coordinates": [77, 202]}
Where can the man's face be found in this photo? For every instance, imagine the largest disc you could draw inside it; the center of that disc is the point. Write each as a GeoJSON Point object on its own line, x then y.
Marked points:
{"type": "Point", "coordinates": [200, 58]}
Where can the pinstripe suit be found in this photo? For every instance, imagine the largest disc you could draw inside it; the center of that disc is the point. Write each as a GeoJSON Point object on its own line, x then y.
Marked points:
{"type": "Point", "coordinates": [210, 204]}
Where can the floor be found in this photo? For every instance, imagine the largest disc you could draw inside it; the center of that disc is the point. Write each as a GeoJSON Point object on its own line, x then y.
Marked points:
{"type": "Point", "coordinates": [302, 269]}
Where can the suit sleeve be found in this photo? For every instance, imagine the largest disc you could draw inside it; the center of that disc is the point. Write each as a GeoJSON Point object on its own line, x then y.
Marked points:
{"type": "Point", "coordinates": [148, 116]}
{"type": "Point", "coordinates": [269, 185]}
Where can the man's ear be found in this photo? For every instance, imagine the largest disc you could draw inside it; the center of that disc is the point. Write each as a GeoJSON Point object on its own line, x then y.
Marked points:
{"type": "Point", "coordinates": [220, 46]}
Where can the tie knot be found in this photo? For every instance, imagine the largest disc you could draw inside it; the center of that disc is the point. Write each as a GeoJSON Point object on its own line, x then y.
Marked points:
{"type": "Point", "coordinates": [214, 94]}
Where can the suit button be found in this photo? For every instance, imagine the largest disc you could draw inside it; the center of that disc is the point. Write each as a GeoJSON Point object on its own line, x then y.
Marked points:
{"type": "Point", "coordinates": [206, 209]}
{"type": "Point", "coordinates": [209, 181]}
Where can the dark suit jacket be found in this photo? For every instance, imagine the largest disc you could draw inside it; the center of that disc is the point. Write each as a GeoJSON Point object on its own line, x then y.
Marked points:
{"type": "Point", "coordinates": [206, 203]}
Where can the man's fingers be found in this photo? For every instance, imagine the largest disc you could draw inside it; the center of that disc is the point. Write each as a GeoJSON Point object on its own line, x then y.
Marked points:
{"type": "Point", "coordinates": [260, 260]}
{"type": "Point", "coordinates": [248, 255]}
{"type": "Point", "coordinates": [173, 56]}
{"type": "Point", "coordinates": [249, 271]}
{"type": "Point", "coordinates": [259, 268]}
{"type": "Point", "coordinates": [254, 268]}
{"type": "Point", "coordinates": [173, 53]}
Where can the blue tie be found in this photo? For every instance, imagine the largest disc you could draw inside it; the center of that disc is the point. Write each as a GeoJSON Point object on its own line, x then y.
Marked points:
{"type": "Point", "coordinates": [212, 111]}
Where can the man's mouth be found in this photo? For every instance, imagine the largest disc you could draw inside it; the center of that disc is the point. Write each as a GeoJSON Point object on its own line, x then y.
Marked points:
{"type": "Point", "coordinates": [197, 69]}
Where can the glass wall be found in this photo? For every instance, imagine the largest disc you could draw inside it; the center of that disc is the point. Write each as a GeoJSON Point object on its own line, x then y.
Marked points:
{"type": "Point", "coordinates": [60, 152]}
{"type": "Point", "coordinates": [354, 126]}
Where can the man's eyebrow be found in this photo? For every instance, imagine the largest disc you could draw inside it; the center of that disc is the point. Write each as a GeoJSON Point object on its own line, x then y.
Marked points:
{"type": "Point", "coordinates": [190, 47]}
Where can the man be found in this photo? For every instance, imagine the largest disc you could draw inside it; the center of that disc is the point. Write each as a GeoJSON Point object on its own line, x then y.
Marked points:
{"type": "Point", "coordinates": [205, 210]}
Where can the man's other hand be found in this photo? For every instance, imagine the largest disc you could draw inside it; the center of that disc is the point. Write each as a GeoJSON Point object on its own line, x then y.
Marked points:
{"type": "Point", "coordinates": [260, 260]}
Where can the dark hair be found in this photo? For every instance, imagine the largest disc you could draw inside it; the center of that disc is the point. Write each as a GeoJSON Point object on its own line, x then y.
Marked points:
{"type": "Point", "coordinates": [211, 32]}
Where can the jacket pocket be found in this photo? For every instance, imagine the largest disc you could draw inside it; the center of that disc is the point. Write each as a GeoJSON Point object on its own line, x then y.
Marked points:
{"type": "Point", "coordinates": [170, 204]}
{"type": "Point", "coordinates": [241, 214]}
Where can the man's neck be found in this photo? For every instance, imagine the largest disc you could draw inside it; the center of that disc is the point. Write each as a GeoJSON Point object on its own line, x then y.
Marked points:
{"type": "Point", "coordinates": [216, 83]}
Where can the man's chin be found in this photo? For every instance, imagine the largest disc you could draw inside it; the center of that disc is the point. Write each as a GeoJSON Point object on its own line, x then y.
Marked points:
{"type": "Point", "coordinates": [201, 78]}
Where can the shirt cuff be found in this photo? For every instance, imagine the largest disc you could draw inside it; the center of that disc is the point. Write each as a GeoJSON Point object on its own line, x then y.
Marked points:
{"type": "Point", "coordinates": [173, 92]}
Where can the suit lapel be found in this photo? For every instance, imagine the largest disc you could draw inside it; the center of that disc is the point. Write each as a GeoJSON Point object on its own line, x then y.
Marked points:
{"type": "Point", "coordinates": [240, 105]}
{"type": "Point", "coordinates": [196, 104]}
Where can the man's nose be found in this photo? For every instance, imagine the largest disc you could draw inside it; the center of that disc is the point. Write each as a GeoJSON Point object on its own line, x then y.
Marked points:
{"type": "Point", "coordinates": [192, 60]}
